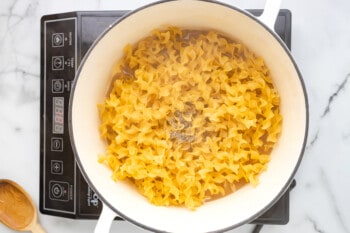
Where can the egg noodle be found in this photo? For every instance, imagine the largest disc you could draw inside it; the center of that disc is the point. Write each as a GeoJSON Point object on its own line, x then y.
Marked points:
{"type": "Point", "coordinates": [190, 116]}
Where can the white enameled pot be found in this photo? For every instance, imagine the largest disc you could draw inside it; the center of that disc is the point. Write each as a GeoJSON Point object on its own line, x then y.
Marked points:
{"type": "Point", "coordinates": [92, 82]}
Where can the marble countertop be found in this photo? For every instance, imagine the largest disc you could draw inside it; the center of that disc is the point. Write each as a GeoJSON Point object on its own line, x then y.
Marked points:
{"type": "Point", "coordinates": [321, 46]}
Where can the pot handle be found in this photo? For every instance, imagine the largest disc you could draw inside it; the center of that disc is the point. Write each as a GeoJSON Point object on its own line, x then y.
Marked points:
{"type": "Point", "coordinates": [104, 223]}
{"type": "Point", "coordinates": [269, 16]}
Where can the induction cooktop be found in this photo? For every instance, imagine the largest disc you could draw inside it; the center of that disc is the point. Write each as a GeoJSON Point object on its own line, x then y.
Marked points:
{"type": "Point", "coordinates": [65, 38]}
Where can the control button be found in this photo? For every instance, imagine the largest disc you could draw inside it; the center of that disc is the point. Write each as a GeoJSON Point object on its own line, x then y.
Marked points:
{"type": "Point", "coordinates": [56, 144]}
{"type": "Point", "coordinates": [57, 167]}
{"type": "Point", "coordinates": [57, 39]}
{"type": "Point", "coordinates": [57, 62]}
{"type": "Point", "coordinates": [57, 85]}
{"type": "Point", "coordinates": [58, 190]}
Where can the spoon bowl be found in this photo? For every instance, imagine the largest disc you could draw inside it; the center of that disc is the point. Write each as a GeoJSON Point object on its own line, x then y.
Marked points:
{"type": "Point", "coordinates": [17, 209]}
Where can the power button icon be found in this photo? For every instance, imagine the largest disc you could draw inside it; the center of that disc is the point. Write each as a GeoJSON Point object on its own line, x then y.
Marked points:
{"type": "Point", "coordinates": [58, 190]}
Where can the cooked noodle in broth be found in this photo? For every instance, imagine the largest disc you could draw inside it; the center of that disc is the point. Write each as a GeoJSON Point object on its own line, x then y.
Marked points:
{"type": "Point", "coordinates": [190, 116]}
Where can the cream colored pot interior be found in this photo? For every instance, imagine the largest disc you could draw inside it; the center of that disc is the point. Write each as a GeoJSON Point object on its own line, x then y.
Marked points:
{"type": "Point", "coordinates": [93, 82]}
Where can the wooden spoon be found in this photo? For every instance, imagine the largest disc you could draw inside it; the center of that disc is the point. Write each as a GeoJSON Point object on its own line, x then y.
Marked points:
{"type": "Point", "coordinates": [17, 209]}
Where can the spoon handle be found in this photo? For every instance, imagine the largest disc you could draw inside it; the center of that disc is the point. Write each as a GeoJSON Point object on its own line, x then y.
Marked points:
{"type": "Point", "coordinates": [37, 228]}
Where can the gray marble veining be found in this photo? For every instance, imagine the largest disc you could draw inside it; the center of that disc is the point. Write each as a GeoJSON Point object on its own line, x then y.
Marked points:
{"type": "Point", "coordinates": [321, 46]}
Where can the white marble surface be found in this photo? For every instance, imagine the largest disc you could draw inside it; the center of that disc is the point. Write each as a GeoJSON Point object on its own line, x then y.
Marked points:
{"type": "Point", "coordinates": [321, 46]}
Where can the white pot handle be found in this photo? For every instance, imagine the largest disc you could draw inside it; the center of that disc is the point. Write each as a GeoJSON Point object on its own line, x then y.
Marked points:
{"type": "Point", "coordinates": [269, 16]}
{"type": "Point", "coordinates": [105, 221]}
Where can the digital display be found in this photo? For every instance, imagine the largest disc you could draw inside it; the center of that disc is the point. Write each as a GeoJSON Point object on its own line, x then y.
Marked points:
{"type": "Point", "coordinates": [58, 115]}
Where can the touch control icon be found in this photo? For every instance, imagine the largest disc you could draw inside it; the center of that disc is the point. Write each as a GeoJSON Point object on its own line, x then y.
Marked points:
{"type": "Point", "coordinates": [57, 62]}
{"type": "Point", "coordinates": [57, 85]}
{"type": "Point", "coordinates": [57, 144]}
{"type": "Point", "coordinates": [57, 40]}
{"type": "Point", "coordinates": [57, 167]}
{"type": "Point", "coordinates": [58, 190]}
